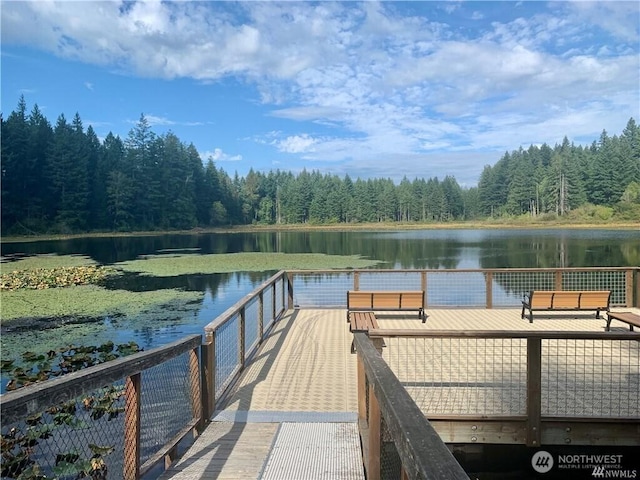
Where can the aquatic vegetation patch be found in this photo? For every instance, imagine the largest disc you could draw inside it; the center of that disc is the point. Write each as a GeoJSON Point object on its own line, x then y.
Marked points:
{"type": "Point", "coordinates": [42, 278]}
{"type": "Point", "coordinates": [85, 301]}
{"type": "Point", "coordinates": [45, 261]}
{"type": "Point", "coordinates": [172, 264]}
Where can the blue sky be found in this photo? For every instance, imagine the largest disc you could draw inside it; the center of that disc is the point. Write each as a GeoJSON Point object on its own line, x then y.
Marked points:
{"type": "Point", "coordinates": [369, 89]}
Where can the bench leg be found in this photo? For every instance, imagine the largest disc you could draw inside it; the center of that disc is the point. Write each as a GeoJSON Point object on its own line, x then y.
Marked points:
{"type": "Point", "coordinates": [522, 314]}
{"type": "Point", "coordinates": [598, 313]}
{"type": "Point", "coordinates": [530, 316]}
{"type": "Point", "coordinates": [608, 327]}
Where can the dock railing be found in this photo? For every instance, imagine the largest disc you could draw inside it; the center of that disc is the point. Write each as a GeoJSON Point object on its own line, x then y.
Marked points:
{"type": "Point", "coordinates": [388, 416]}
{"type": "Point", "coordinates": [468, 288]}
{"type": "Point", "coordinates": [115, 420]}
{"type": "Point", "coordinates": [521, 387]}
{"type": "Point", "coordinates": [141, 398]}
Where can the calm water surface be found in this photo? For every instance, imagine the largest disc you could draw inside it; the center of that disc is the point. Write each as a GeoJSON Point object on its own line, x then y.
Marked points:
{"type": "Point", "coordinates": [396, 249]}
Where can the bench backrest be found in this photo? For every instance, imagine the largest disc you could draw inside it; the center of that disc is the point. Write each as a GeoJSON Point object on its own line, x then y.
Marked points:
{"type": "Point", "coordinates": [566, 299]}
{"type": "Point", "coordinates": [584, 299]}
{"type": "Point", "coordinates": [595, 299]}
{"type": "Point", "coordinates": [385, 300]}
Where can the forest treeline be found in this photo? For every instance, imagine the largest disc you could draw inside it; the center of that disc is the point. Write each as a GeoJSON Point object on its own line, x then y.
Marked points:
{"type": "Point", "coordinates": [64, 179]}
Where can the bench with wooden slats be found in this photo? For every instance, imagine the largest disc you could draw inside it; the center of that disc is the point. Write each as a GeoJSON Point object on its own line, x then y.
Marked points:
{"type": "Point", "coordinates": [369, 301]}
{"type": "Point", "coordinates": [566, 300]}
{"type": "Point", "coordinates": [363, 322]}
{"type": "Point", "coordinates": [629, 318]}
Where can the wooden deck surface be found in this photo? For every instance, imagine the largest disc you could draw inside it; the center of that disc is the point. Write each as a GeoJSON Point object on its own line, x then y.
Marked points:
{"type": "Point", "coordinates": [305, 373]}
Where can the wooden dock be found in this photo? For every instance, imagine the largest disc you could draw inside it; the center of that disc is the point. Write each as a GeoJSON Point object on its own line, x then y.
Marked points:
{"type": "Point", "coordinates": [301, 386]}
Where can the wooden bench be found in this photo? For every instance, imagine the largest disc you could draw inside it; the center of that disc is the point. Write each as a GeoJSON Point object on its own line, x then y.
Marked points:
{"type": "Point", "coordinates": [363, 322]}
{"type": "Point", "coordinates": [626, 317]}
{"type": "Point", "coordinates": [367, 301]}
{"type": "Point", "coordinates": [566, 300]}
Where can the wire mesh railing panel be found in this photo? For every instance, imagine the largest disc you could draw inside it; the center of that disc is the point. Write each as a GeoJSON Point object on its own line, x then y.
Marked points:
{"type": "Point", "coordinates": [82, 435]}
{"type": "Point", "coordinates": [251, 325]}
{"type": "Point", "coordinates": [167, 395]}
{"type": "Point", "coordinates": [509, 288]}
{"type": "Point", "coordinates": [461, 375]}
{"type": "Point", "coordinates": [598, 280]}
{"type": "Point", "coordinates": [390, 280]}
{"type": "Point", "coordinates": [267, 310]}
{"type": "Point", "coordinates": [459, 289]}
{"type": "Point", "coordinates": [227, 353]}
{"type": "Point", "coordinates": [591, 378]}
{"type": "Point", "coordinates": [322, 290]}
{"type": "Point", "coordinates": [281, 294]}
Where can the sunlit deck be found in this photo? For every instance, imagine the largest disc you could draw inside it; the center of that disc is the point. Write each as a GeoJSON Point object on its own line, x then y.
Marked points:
{"type": "Point", "coordinates": [293, 412]}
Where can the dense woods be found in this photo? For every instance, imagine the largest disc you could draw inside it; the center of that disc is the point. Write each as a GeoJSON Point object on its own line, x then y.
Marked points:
{"type": "Point", "coordinates": [64, 179]}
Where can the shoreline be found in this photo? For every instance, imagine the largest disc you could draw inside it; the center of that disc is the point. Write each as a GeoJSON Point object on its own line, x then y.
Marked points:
{"type": "Point", "coordinates": [331, 227]}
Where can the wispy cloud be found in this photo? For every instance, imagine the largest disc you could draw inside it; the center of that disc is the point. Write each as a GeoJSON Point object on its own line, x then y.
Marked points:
{"type": "Point", "coordinates": [217, 155]}
{"type": "Point", "coordinates": [385, 81]}
{"type": "Point", "coordinates": [89, 85]}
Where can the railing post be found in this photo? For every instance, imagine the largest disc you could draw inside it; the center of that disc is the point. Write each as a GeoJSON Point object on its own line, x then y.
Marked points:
{"type": "Point", "coordinates": [489, 289]}
{"type": "Point", "coordinates": [290, 290]}
{"type": "Point", "coordinates": [534, 391]}
{"type": "Point", "coordinates": [356, 280]}
{"type": "Point", "coordinates": [558, 280]}
{"type": "Point", "coordinates": [131, 467]}
{"type": "Point", "coordinates": [274, 297]}
{"type": "Point", "coordinates": [362, 393]}
{"type": "Point", "coordinates": [628, 294]}
{"type": "Point", "coordinates": [208, 369]}
{"type": "Point", "coordinates": [260, 316]}
{"type": "Point", "coordinates": [375, 436]}
{"type": "Point", "coordinates": [241, 336]}
{"type": "Point", "coordinates": [637, 272]}
{"type": "Point", "coordinates": [194, 385]}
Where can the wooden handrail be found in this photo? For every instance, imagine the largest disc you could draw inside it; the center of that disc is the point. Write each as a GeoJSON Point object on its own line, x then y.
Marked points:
{"type": "Point", "coordinates": [551, 334]}
{"type": "Point", "coordinates": [31, 399]}
{"type": "Point", "coordinates": [422, 453]}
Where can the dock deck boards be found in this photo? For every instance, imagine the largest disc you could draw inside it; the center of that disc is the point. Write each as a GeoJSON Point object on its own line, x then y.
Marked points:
{"type": "Point", "coordinates": [304, 373]}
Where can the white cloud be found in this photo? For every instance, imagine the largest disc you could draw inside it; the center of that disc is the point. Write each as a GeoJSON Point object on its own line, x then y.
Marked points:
{"type": "Point", "coordinates": [217, 155]}
{"type": "Point", "coordinates": [89, 85]}
{"type": "Point", "coordinates": [385, 83]}
{"type": "Point", "coordinates": [296, 144]}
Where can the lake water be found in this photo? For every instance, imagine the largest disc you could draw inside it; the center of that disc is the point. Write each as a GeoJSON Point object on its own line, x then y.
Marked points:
{"type": "Point", "coordinates": [434, 249]}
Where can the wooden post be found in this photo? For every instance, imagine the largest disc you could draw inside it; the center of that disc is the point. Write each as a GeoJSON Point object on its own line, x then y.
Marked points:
{"type": "Point", "coordinates": [489, 289]}
{"type": "Point", "coordinates": [194, 386]}
{"type": "Point", "coordinates": [290, 289]}
{"type": "Point", "coordinates": [628, 294]}
{"type": "Point", "coordinates": [274, 297]}
{"type": "Point", "coordinates": [362, 394]}
{"type": "Point", "coordinates": [208, 373]}
{"type": "Point", "coordinates": [558, 280]}
{"type": "Point", "coordinates": [356, 280]}
{"type": "Point", "coordinates": [534, 391]}
{"type": "Point", "coordinates": [241, 336]}
{"type": "Point", "coordinates": [260, 316]}
{"type": "Point", "coordinates": [423, 286]}
{"type": "Point", "coordinates": [131, 467]}
{"type": "Point", "coordinates": [375, 436]}
{"type": "Point", "coordinates": [637, 288]}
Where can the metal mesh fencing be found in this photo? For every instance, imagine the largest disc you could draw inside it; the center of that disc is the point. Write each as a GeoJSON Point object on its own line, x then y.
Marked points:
{"type": "Point", "coordinates": [267, 313]}
{"type": "Point", "coordinates": [461, 376]}
{"type": "Point", "coordinates": [390, 280]}
{"type": "Point", "coordinates": [168, 393]}
{"type": "Point", "coordinates": [227, 353]}
{"type": "Point", "coordinates": [323, 290]}
{"type": "Point", "coordinates": [85, 437]}
{"type": "Point", "coordinates": [508, 288]}
{"type": "Point", "coordinates": [456, 289]}
{"type": "Point", "coordinates": [460, 288]}
{"type": "Point", "coordinates": [68, 438]}
{"type": "Point", "coordinates": [598, 280]}
{"type": "Point", "coordinates": [597, 378]}
{"type": "Point", "coordinates": [251, 325]}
